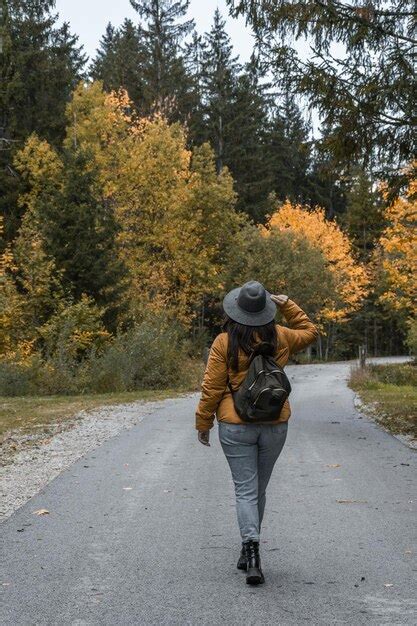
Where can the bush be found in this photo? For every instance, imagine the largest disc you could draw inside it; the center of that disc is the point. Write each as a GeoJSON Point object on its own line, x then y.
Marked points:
{"type": "Point", "coordinates": [152, 355]}
{"type": "Point", "coordinates": [16, 380]}
{"type": "Point", "coordinates": [372, 376]}
{"type": "Point", "coordinates": [411, 340]}
{"type": "Point", "coordinates": [74, 330]}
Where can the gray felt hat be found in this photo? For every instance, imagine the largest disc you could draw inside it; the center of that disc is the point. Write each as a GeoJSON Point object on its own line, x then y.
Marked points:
{"type": "Point", "coordinates": [250, 304]}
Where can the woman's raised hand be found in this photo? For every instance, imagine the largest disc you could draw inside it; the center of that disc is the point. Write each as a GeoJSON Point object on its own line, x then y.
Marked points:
{"type": "Point", "coordinates": [279, 300]}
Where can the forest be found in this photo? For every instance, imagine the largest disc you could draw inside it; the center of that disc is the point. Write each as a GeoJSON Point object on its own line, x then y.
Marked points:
{"type": "Point", "coordinates": [139, 186]}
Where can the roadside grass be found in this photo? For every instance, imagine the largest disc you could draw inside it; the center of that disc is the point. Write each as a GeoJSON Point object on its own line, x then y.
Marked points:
{"type": "Point", "coordinates": [389, 394]}
{"type": "Point", "coordinates": [28, 420]}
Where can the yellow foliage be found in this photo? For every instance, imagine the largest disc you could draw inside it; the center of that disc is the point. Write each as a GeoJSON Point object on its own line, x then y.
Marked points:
{"type": "Point", "coordinates": [40, 166]}
{"type": "Point", "coordinates": [399, 252]}
{"type": "Point", "coordinates": [174, 215]}
{"type": "Point", "coordinates": [12, 305]}
{"type": "Point", "coordinates": [350, 277]}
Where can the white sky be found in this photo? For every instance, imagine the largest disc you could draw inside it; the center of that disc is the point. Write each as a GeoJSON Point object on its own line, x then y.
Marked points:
{"type": "Point", "coordinates": [89, 18]}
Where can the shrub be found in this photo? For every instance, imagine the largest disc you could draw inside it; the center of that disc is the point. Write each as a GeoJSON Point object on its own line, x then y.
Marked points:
{"type": "Point", "coordinates": [74, 330]}
{"type": "Point", "coordinates": [152, 355]}
{"type": "Point", "coordinates": [372, 376]}
{"type": "Point", "coordinates": [411, 340]}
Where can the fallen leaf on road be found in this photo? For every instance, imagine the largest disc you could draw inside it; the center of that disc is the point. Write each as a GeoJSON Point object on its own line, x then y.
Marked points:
{"type": "Point", "coordinates": [167, 490]}
{"type": "Point", "coordinates": [334, 465]}
{"type": "Point", "coordinates": [388, 585]}
{"type": "Point", "coordinates": [352, 501]}
{"type": "Point", "coordinates": [127, 488]}
{"type": "Point", "coordinates": [41, 512]}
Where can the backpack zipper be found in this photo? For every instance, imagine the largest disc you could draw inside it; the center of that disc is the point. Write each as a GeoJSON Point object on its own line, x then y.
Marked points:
{"type": "Point", "coordinates": [261, 372]}
{"type": "Point", "coordinates": [266, 389]}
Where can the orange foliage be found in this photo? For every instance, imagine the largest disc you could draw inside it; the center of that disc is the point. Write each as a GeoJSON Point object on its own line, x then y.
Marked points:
{"type": "Point", "coordinates": [399, 252]}
{"type": "Point", "coordinates": [349, 277]}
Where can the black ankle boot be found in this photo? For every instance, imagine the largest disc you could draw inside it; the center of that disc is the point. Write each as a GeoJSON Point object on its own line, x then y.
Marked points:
{"type": "Point", "coordinates": [241, 564]}
{"type": "Point", "coordinates": [254, 575]}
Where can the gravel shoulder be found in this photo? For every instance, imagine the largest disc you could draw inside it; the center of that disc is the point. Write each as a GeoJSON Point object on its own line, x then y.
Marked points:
{"type": "Point", "coordinates": [35, 466]}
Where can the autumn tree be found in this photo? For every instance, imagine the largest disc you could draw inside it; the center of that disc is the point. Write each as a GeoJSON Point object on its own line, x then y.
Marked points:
{"type": "Point", "coordinates": [348, 275]}
{"type": "Point", "coordinates": [398, 254]}
{"type": "Point", "coordinates": [285, 261]}
{"type": "Point", "coordinates": [168, 206]}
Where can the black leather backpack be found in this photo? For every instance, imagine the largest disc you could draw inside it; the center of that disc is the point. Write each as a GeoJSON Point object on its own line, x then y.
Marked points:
{"type": "Point", "coordinates": [262, 394]}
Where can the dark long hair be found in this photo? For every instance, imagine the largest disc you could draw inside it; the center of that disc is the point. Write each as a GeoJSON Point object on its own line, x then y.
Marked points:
{"type": "Point", "coordinates": [245, 338]}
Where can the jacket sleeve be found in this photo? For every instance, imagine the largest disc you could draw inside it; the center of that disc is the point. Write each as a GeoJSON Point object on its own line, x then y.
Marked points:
{"type": "Point", "coordinates": [301, 331]}
{"type": "Point", "coordinates": [213, 385]}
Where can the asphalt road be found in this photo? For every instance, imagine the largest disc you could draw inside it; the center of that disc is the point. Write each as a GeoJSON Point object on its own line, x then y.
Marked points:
{"type": "Point", "coordinates": [143, 529]}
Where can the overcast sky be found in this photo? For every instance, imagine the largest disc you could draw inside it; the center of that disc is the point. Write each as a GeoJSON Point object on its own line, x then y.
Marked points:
{"type": "Point", "coordinates": [89, 18]}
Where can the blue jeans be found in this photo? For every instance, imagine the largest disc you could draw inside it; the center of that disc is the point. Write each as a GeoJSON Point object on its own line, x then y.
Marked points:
{"type": "Point", "coordinates": [251, 451]}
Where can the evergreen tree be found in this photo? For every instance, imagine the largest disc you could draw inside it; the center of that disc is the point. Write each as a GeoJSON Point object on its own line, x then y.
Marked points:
{"type": "Point", "coordinates": [364, 217]}
{"type": "Point", "coordinates": [247, 151]}
{"type": "Point", "coordinates": [119, 61]}
{"type": "Point", "coordinates": [161, 31]}
{"type": "Point", "coordinates": [40, 64]}
{"type": "Point", "coordinates": [79, 233]}
{"type": "Point", "coordinates": [326, 186]}
{"type": "Point", "coordinates": [219, 71]}
{"type": "Point", "coordinates": [193, 60]}
{"type": "Point", "coordinates": [366, 94]}
{"type": "Point", "coordinates": [290, 151]}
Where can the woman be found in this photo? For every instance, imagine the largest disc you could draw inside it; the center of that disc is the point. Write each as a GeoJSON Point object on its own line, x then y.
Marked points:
{"type": "Point", "coordinates": [251, 449]}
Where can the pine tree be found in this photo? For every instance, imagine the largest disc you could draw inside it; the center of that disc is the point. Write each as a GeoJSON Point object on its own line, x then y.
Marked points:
{"type": "Point", "coordinates": [247, 152]}
{"type": "Point", "coordinates": [290, 149]}
{"type": "Point", "coordinates": [193, 61]}
{"type": "Point", "coordinates": [41, 63]}
{"type": "Point", "coordinates": [79, 233]}
{"type": "Point", "coordinates": [219, 70]}
{"type": "Point", "coordinates": [364, 217]}
{"type": "Point", "coordinates": [365, 94]}
{"type": "Point", "coordinates": [119, 61]}
{"type": "Point", "coordinates": [161, 31]}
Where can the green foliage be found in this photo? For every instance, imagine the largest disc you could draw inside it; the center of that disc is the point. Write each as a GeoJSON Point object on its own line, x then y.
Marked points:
{"type": "Point", "coordinates": [364, 90]}
{"type": "Point", "coordinates": [40, 64]}
{"type": "Point", "coordinates": [149, 356]}
{"type": "Point", "coordinates": [118, 62]}
{"type": "Point", "coordinates": [152, 355]}
{"type": "Point", "coordinates": [364, 218]}
{"type": "Point", "coordinates": [74, 331]}
{"type": "Point", "coordinates": [147, 59]}
{"type": "Point", "coordinates": [285, 263]}
{"type": "Point", "coordinates": [411, 340]}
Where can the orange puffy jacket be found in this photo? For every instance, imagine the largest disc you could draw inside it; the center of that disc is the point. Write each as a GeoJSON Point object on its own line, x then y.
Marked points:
{"type": "Point", "coordinates": [216, 399]}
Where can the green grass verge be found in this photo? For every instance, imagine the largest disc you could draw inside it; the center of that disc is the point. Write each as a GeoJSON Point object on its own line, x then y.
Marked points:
{"type": "Point", "coordinates": [389, 393]}
{"type": "Point", "coordinates": [32, 420]}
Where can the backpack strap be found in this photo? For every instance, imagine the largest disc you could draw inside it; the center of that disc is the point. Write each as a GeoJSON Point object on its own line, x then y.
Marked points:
{"type": "Point", "coordinates": [252, 355]}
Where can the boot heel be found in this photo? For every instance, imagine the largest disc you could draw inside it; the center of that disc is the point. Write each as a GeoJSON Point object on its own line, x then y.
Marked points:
{"type": "Point", "coordinates": [254, 576]}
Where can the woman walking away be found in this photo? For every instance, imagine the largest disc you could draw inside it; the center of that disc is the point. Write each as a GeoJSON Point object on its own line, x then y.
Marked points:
{"type": "Point", "coordinates": [245, 386]}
